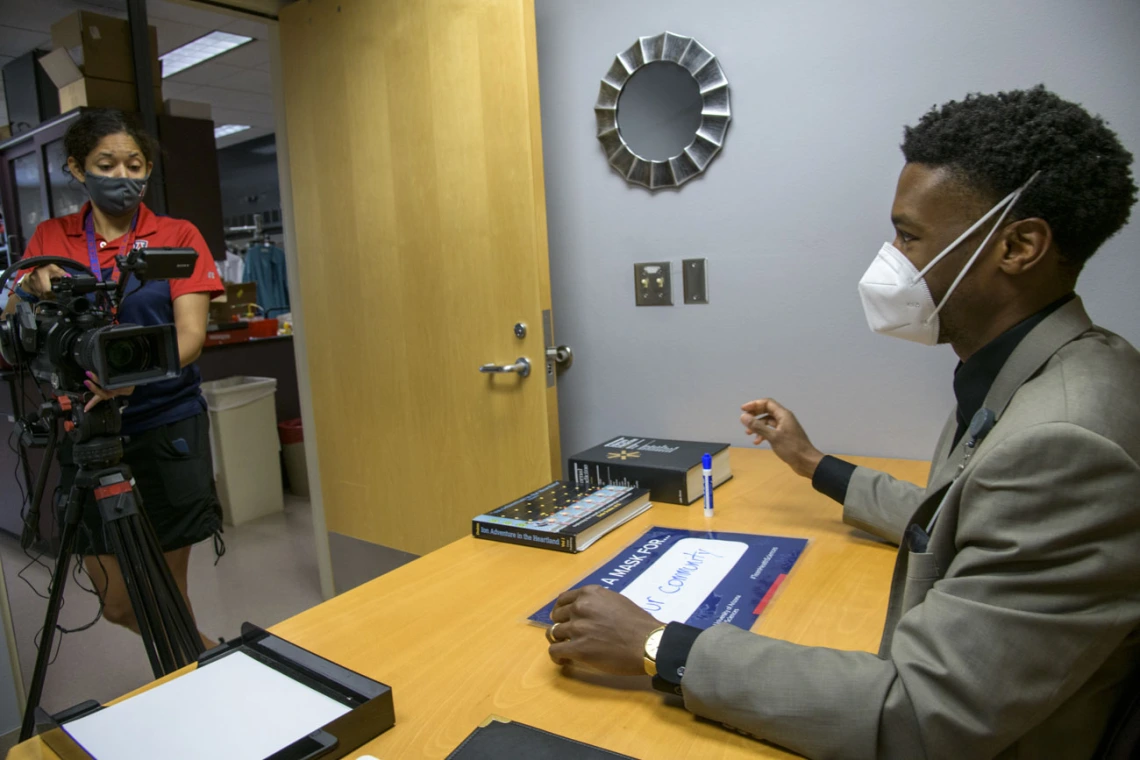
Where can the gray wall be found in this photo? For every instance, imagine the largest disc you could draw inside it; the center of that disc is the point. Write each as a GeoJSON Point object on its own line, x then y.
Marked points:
{"type": "Point", "coordinates": [794, 208]}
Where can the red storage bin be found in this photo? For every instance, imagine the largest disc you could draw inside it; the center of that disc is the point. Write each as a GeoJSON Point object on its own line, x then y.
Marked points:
{"type": "Point", "coordinates": [293, 452]}
{"type": "Point", "coordinates": [290, 432]}
{"type": "Point", "coordinates": [263, 328]}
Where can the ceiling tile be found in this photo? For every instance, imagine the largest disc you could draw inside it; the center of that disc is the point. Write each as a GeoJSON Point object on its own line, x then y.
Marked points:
{"type": "Point", "coordinates": [15, 41]}
{"type": "Point", "coordinates": [179, 90]}
{"type": "Point", "coordinates": [241, 137]}
{"type": "Point", "coordinates": [36, 16]}
{"type": "Point", "coordinates": [247, 27]}
{"type": "Point", "coordinates": [238, 116]}
{"type": "Point", "coordinates": [185, 14]}
{"type": "Point", "coordinates": [248, 80]}
{"type": "Point", "coordinates": [172, 34]}
{"type": "Point", "coordinates": [204, 73]}
{"type": "Point", "coordinates": [248, 56]}
{"type": "Point", "coordinates": [246, 101]}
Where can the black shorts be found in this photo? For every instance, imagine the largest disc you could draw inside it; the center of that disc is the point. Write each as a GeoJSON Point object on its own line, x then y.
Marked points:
{"type": "Point", "coordinates": [174, 472]}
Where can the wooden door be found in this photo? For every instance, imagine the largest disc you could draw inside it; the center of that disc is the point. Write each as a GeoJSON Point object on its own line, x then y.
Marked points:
{"type": "Point", "coordinates": [416, 163]}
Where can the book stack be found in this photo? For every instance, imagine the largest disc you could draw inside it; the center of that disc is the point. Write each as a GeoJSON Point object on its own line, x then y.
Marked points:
{"type": "Point", "coordinates": [671, 470]}
{"type": "Point", "coordinates": [562, 516]}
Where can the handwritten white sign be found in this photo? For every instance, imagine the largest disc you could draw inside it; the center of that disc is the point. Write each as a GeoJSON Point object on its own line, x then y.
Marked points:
{"type": "Point", "coordinates": [674, 586]}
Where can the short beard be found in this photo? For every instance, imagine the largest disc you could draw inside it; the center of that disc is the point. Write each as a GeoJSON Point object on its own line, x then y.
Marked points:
{"type": "Point", "coordinates": [948, 332]}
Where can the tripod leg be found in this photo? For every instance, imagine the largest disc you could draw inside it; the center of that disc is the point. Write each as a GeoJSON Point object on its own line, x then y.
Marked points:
{"type": "Point", "coordinates": [72, 515]}
{"type": "Point", "coordinates": [183, 623]}
{"type": "Point", "coordinates": [31, 529]}
{"type": "Point", "coordinates": [164, 620]}
{"type": "Point", "coordinates": [122, 546]}
{"type": "Point", "coordinates": [149, 567]}
{"type": "Point", "coordinates": [179, 625]}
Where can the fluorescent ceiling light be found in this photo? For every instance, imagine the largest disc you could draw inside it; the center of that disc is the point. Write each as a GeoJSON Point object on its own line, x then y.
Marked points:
{"type": "Point", "coordinates": [201, 49]}
{"type": "Point", "coordinates": [229, 129]}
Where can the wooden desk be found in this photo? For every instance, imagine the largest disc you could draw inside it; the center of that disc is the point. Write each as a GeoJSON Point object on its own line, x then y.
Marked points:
{"type": "Point", "coordinates": [448, 632]}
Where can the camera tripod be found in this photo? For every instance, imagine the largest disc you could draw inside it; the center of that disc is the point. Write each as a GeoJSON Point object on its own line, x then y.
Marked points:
{"type": "Point", "coordinates": [168, 631]}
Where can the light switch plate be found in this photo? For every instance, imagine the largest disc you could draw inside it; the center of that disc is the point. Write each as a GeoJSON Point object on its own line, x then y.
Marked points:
{"type": "Point", "coordinates": [694, 274]}
{"type": "Point", "coordinates": [652, 284]}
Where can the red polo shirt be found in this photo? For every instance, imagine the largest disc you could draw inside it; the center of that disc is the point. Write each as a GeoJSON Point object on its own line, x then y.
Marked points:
{"type": "Point", "coordinates": [66, 236]}
{"type": "Point", "coordinates": [149, 303]}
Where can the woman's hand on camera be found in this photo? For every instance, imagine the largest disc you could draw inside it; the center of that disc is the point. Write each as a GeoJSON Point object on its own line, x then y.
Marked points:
{"type": "Point", "coordinates": [100, 394]}
{"type": "Point", "coordinates": [38, 281]}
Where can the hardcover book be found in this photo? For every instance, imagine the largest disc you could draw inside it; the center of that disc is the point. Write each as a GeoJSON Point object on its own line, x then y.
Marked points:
{"type": "Point", "coordinates": [562, 516]}
{"type": "Point", "coordinates": [671, 470]}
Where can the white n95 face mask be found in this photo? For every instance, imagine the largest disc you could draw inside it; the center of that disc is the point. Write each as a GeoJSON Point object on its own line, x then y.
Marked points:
{"type": "Point", "coordinates": [896, 298]}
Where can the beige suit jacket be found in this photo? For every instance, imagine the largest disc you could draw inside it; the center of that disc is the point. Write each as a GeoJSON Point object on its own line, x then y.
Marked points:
{"type": "Point", "coordinates": [1011, 636]}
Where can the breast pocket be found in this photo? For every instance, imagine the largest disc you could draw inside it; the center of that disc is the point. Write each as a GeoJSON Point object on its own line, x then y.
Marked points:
{"type": "Point", "coordinates": [921, 573]}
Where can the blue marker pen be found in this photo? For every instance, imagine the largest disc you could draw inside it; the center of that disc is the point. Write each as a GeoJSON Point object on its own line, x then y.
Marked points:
{"type": "Point", "coordinates": [706, 470]}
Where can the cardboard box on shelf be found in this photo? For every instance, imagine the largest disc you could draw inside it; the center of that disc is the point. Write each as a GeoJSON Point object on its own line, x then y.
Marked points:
{"type": "Point", "coordinates": [220, 312]}
{"type": "Point", "coordinates": [76, 90]}
{"type": "Point", "coordinates": [234, 304]}
{"type": "Point", "coordinates": [238, 294]}
{"type": "Point", "coordinates": [103, 93]}
{"type": "Point", "coordinates": [101, 45]}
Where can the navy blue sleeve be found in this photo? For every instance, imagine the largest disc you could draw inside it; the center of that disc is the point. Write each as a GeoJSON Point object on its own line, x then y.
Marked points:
{"type": "Point", "coordinates": [832, 477]}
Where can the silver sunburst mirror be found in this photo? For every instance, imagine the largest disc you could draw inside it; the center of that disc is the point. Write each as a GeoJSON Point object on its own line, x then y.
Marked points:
{"type": "Point", "coordinates": [663, 110]}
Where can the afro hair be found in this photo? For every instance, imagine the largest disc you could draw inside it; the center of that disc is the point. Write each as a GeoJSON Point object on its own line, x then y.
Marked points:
{"type": "Point", "coordinates": [994, 143]}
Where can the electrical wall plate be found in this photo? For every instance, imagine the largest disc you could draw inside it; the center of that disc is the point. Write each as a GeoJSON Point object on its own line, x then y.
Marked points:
{"type": "Point", "coordinates": [652, 284]}
{"type": "Point", "coordinates": [694, 274]}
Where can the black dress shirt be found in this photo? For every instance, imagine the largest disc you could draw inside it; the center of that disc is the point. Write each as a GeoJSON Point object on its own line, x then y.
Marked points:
{"type": "Point", "coordinates": [972, 381]}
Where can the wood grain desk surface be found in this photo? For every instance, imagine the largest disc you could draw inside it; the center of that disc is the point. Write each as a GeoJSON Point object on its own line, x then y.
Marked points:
{"type": "Point", "coordinates": [448, 632]}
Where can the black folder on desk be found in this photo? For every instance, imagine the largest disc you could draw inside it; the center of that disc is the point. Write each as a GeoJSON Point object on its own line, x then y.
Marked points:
{"type": "Point", "coordinates": [362, 708]}
{"type": "Point", "coordinates": [502, 739]}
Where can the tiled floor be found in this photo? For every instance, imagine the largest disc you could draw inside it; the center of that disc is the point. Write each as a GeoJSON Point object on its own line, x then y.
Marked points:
{"type": "Point", "coordinates": [269, 573]}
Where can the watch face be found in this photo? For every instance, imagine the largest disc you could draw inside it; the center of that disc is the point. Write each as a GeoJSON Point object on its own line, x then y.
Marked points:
{"type": "Point", "coordinates": [652, 643]}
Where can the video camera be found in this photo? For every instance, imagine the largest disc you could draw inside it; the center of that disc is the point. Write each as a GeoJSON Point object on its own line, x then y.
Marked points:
{"type": "Point", "coordinates": [61, 340]}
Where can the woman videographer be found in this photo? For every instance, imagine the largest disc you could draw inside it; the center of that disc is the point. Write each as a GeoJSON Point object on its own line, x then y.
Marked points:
{"type": "Point", "coordinates": [168, 450]}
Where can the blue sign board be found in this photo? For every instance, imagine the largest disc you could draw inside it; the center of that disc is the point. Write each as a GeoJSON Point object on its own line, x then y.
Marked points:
{"type": "Point", "coordinates": [697, 577]}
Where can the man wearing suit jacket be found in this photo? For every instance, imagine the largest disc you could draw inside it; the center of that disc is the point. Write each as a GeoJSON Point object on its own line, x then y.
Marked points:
{"type": "Point", "coordinates": [1014, 613]}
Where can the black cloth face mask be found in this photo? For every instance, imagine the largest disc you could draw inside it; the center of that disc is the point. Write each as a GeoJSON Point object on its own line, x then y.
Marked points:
{"type": "Point", "coordinates": [117, 196]}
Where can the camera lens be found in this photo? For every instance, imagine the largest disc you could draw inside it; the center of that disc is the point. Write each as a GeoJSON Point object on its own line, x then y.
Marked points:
{"type": "Point", "coordinates": [123, 355]}
{"type": "Point", "coordinates": [128, 355]}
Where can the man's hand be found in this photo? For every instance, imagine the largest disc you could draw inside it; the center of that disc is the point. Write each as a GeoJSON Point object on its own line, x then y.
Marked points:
{"type": "Point", "coordinates": [600, 629]}
{"type": "Point", "coordinates": [38, 281]}
{"type": "Point", "coordinates": [99, 394]}
{"type": "Point", "coordinates": [768, 421]}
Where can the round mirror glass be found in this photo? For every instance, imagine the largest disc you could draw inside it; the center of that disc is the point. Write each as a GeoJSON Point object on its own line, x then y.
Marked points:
{"type": "Point", "coordinates": [659, 110]}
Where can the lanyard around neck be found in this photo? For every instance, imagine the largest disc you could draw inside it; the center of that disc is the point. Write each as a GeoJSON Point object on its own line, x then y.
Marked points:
{"type": "Point", "coordinates": [93, 249]}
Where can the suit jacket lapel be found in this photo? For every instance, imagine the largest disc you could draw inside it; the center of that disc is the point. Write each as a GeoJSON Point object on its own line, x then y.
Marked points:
{"type": "Point", "coordinates": [1059, 328]}
{"type": "Point", "coordinates": [945, 466]}
{"type": "Point", "coordinates": [942, 450]}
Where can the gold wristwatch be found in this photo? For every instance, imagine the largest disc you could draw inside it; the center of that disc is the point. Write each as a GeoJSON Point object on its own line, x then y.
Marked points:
{"type": "Point", "coordinates": [652, 642]}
